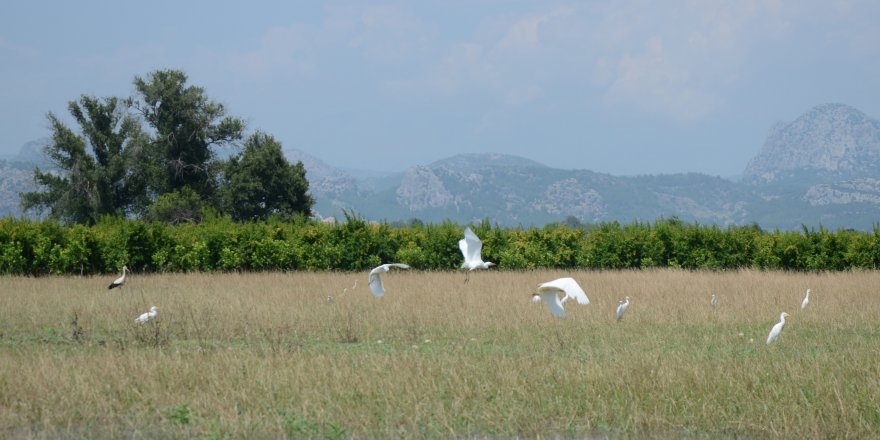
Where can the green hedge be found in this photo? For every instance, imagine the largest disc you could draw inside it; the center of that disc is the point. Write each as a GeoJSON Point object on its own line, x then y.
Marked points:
{"type": "Point", "coordinates": [38, 248]}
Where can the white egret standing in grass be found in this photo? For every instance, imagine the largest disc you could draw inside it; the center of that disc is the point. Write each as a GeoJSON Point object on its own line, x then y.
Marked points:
{"type": "Point", "coordinates": [713, 301]}
{"type": "Point", "coordinates": [471, 247]}
{"type": "Point", "coordinates": [119, 281]}
{"type": "Point", "coordinates": [549, 292]}
{"type": "Point", "coordinates": [621, 308]}
{"type": "Point", "coordinates": [376, 285]}
{"type": "Point", "coordinates": [147, 316]}
{"type": "Point", "coordinates": [351, 288]}
{"type": "Point", "coordinates": [777, 329]}
{"type": "Point", "coordinates": [806, 299]}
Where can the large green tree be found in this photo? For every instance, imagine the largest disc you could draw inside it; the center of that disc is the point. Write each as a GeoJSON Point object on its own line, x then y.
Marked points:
{"type": "Point", "coordinates": [184, 126]}
{"type": "Point", "coordinates": [260, 182]}
{"type": "Point", "coordinates": [91, 176]}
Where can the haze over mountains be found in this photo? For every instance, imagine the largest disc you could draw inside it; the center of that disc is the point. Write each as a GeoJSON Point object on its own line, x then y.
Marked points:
{"type": "Point", "coordinates": [821, 169]}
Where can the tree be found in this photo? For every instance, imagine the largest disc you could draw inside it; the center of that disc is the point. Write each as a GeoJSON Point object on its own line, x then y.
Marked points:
{"type": "Point", "coordinates": [92, 168]}
{"type": "Point", "coordinates": [184, 126]}
{"type": "Point", "coordinates": [260, 182]}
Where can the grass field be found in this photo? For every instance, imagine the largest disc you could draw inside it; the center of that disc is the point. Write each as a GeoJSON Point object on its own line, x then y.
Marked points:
{"type": "Point", "coordinates": [266, 355]}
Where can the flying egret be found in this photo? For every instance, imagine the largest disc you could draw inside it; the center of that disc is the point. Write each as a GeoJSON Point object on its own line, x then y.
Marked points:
{"type": "Point", "coordinates": [713, 301]}
{"type": "Point", "coordinates": [806, 299]}
{"type": "Point", "coordinates": [147, 316]}
{"type": "Point", "coordinates": [471, 246]}
{"type": "Point", "coordinates": [777, 329]}
{"type": "Point", "coordinates": [621, 308]}
{"type": "Point", "coordinates": [376, 277]}
{"type": "Point", "coordinates": [549, 292]}
{"type": "Point", "coordinates": [119, 281]}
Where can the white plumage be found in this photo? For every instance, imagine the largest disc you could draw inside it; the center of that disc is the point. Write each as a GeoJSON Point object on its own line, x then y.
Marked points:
{"type": "Point", "coordinates": [806, 299]}
{"type": "Point", "coordinates": [119, 281]}
{"type": "Point", "coordinates": [621, 308]}
{"type": "Point", "coordinates": [549, 292]}
{"type": "Point", "coordinates": [471, 248]}
{"type": "Point", "coordinates": [777, 329]}
{"type": "Point", "coordinates": [147, 316]}
{"type": "Point", "coordinates": [713, 301]}
{"type": "Point", "coordinates": [376, 285]}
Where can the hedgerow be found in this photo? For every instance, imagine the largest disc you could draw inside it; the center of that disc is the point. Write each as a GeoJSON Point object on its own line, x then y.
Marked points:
{"type": "Point", "coordinates": [219, 244]}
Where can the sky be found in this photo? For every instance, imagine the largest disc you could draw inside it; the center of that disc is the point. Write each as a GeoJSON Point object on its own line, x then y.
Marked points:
{"type": "Point", "coordinates": [620, 87]}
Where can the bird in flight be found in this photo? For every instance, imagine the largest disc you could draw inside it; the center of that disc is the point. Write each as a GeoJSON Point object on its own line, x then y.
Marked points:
{"type": "Point", "coordinates": [376, 285]}
{"type": "Point", "coordinates": [549, 293]}
{"type": "Point", "coordinates": [471, 247]}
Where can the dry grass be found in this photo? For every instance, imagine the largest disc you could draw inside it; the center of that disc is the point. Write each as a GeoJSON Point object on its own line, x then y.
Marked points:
{"type": "Point", "coordinates": [267, 355]}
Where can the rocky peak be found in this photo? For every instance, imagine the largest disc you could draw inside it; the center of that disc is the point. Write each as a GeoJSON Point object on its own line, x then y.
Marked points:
{"type": "Point", "coordinates": [831, 139]}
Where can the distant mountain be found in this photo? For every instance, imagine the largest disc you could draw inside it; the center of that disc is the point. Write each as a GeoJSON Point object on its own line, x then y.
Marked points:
{"type": "Point", "coordinates": [823, 168]}
{"type": "Point", "coordinates": [831, 142]}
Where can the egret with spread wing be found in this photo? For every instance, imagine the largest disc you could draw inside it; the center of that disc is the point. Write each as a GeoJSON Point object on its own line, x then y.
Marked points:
{"type": "Point", "coordinates": [549, 292]}
{"type": "Point", "coordinates": [471, 247]}
{"type": "Point", "coordinates": [376, 285]}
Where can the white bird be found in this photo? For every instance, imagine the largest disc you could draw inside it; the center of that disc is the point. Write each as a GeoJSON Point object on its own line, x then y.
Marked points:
{"type": "Point", "coordinates": [549, 292]}
{"type": "Point", "coordinates": [777, 329]}
{"type": "Point", "coordinates": [621, 308]}
{"type": "Point", "coordinates": [147, 316]}
{"type": "Point", "coordinates": [471, 246]}
{"type": "Point", "coordinates": [713, 301]}
{"type": "Point", "coordinates": [119, 281]}
{"type": "Point", "coordinates": [351, 288]}
{"type": "Point", "coordinates": [806, 299]}
{"type": "Point", "coordinates": [376, 285]}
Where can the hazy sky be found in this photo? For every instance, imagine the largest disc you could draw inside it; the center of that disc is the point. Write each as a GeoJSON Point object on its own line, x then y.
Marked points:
{"type": "Point", "coordinates": [624, 87]}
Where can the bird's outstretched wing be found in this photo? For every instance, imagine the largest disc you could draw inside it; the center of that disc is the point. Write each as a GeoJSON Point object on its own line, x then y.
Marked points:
{"type": "Point", "coordinates": [471, 246]}
{"type": "Point", "coordinates": [376, 285]}
{"type": "Point", "coordinates": [552, 300]}
{"type": "Point", "coordinates": [568, 286]}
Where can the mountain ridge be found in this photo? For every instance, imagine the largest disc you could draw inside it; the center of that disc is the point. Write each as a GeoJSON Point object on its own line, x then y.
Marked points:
{"type": "Point", "coordinates": [820, 169]}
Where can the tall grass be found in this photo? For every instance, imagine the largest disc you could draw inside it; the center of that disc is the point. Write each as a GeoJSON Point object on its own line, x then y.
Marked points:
{"type": "Point", "coordinates": [268, 355]}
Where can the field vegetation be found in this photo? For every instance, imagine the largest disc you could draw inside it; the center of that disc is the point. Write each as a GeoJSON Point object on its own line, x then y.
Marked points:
{"type": "Point", "coordinates": [268, 355]}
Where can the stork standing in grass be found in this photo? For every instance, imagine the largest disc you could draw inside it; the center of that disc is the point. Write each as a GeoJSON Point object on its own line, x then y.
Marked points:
{"type": "Point", "coordinates": [119, 281]}
{"type": "Point", "coordinates": [471, 247]}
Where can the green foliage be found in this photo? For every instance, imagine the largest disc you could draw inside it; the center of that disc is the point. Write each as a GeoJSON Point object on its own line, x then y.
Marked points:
{"type": "Point", "coordinates": [95, 166]}
{"type": "Point", "coordinates": [185, 125]}
{"type": "Point", "coordinates": [218, 243]}
{"type": "Point", "coordinates": [261, 183]}
{"type": "Point", "coordinates": [179, 206]}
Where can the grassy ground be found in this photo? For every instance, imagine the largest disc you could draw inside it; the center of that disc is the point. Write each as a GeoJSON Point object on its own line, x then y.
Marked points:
{"type": "Point", "coordinates": [266, 355]}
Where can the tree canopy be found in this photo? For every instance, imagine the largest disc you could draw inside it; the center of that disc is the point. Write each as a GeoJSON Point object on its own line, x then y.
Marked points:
{"type": "Point", "coordinates": [152, 156]}
{"type": "Point", "coordinates": [260, 182]}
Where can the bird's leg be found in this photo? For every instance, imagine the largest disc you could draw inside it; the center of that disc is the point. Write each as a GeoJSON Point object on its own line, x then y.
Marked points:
{"type": "Point", "coordinates": [467, 276]}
